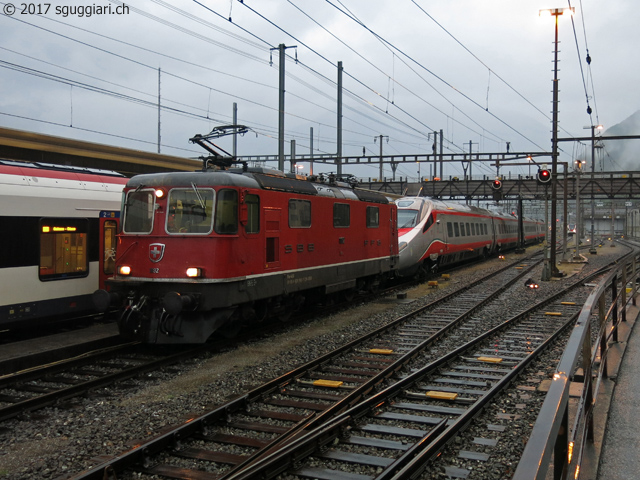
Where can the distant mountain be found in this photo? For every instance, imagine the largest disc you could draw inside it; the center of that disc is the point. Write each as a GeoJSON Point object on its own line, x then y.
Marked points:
{"type": "Point", "coordinates": [621, 154]}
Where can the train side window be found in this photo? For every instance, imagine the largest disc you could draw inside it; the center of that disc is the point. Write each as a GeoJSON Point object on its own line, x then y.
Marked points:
{"type": "Point", "coordinates": [63, 249]}
{"type": "Point", "coordinates": [299, 213]}
{"type": "Point", "coordinates": [373, 217]}
{"type": "Point", "coordinates": [486, 229]}
{"type": "Point", "coordinates": [341, 215]}
{"type": "Point", "coordinates": [109, 239]}
{"type": "Point", "coordinates": [473, 229]}
{"type": "Point", "coordinates": [252, 203]}
{"type": "Point", "coordinates": [449, 229]}
{"type": "Point", "coordinates": [462, 229]}
{"type": "Point", "coordinates": [468, 230]}
{"type": "Point", "coordinates": [457, 228]}
{"type": "Point", "coordinates": [226, 221]}
{"type": "Point", "coordinates": [138, 211]}
{"type": "Point", "coordinates": [428, 223]}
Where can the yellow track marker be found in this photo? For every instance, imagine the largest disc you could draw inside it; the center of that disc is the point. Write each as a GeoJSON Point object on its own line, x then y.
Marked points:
{"type": "Point", "coordinates": [381, 351]}
{"type": "Point", "coordinates": [441, 395]}
{"type": "Point", "coordinates": [327, 383]}
{"type": "Point", "coordinates": [489, 359]}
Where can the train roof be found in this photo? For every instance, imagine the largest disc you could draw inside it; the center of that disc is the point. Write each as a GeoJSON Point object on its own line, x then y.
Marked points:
{"type": "Point", "coordinates": [461, 207]}
{"type": "Point", "coordinates": [50, 167]}
{"type": "Point", "coordinates": [62, 177]}
{"type": "Point", "coordinates": [444, 205]}
{"type": "Point", "coordinates": [259, 179]}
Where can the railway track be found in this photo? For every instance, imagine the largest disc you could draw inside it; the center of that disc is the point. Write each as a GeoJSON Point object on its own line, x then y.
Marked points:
{"type": "Point", "coordinates": [50, 384]}
{"type": "Point", "coordinates": [398, 431]}
{"type": "Point", "coordinates": [45, 385]}
{"type": "Point", "coordinates": [311, 395]}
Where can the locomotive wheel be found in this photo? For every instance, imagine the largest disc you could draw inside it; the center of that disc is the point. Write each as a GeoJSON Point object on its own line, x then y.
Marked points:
{"type": "Point", "coordinates": [348, 295]}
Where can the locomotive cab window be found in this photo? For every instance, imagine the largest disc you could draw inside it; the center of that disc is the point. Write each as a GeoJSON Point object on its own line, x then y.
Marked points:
{"type": "Point", "coordinates": [189, 210]}
{"type": "Point", "coordinates": [373, 217]}
{"type": "Point", "coordinates": [341, 215]}
{"type": "Point", "coordinates": [139, 206]}
{"type": "Point", "coordinates": [63, 249]}
{"type": "Point", "coordinates": [299, 213]}
{"type": "Point", "coordinates": [227, 212]}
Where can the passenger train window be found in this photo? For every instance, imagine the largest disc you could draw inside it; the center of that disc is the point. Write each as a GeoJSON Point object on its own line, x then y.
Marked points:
{"type": "Point", "coordinates": [373, 217]}
{"type": "Point", "coordinates": [190, 210]}
{"type": "Point", "coordinates": [457, 228]}
{"type": "Point", "coordinates": [462, 234]}
{"type": "Point", "coordinates": [138, 211]}
{"type": "Point", "coordinates": [473, 229]}
{"type": "Point", "coordinates": [226, 221]}
{"type": "Point", "coordinates": [252, 202]}
{"type": "Point", "coordinates": [63, 249]}
{"type": "Point", "coordinates": [341, 215]}
{"type": "Point", "coordinates": [299, 213]}
{"type": "Point", "coordinates": [468, 230]}
{"type": "Point", "coordinates": [449, 229]}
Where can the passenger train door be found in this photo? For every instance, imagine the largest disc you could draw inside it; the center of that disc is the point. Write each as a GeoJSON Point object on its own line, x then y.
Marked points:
{"type": "Point", "coordinates": [109, 222]}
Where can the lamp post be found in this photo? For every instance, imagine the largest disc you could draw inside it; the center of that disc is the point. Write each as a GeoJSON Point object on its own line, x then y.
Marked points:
{"type": "Point", "coordinates": [552, 269]}
{"type": "Point", "coordinates": [592, 248]}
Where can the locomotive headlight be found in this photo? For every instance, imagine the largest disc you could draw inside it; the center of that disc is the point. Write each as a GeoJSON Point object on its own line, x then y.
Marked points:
{"type": "Point", "coordinates": [159, 193]}
{"type": "Point", "coordinates": [124, 270]}
{"type": "Point", "coordinates": [194, 272]}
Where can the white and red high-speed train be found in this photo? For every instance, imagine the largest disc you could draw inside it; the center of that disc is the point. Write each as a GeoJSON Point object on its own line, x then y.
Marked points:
{"type": "Point", "coordinates": [433, 233]}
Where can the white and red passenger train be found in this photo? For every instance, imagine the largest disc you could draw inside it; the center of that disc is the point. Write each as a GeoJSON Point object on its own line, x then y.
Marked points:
{"type": "Point", "coordinates": [58, 227]}
{"type": "Point", "coordinates": [434, 233]}
{"type": "Point", "coordinates": [201, 252]}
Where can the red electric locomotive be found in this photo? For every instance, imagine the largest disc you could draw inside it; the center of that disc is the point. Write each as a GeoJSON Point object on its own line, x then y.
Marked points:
{"type": "Point", "coordinates": [215, 250]}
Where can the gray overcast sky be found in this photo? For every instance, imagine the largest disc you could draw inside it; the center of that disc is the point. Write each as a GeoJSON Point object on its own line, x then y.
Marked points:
{"type": "Point", "coordinates": [479, 70]}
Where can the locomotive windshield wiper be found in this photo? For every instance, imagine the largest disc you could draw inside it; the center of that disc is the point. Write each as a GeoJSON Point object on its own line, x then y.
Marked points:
{"type": "Point", "coordinates": [195, 189]}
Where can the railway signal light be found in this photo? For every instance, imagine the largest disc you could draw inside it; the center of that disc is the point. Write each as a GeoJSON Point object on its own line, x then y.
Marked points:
{"type": "Point", "coordinates": [496, 186]}
{"type": "Point", "coordinates": [544, 176]}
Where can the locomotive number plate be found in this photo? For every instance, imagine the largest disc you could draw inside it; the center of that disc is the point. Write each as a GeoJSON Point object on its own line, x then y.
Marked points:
{"type": "Point", "coordinates": [154, 270]}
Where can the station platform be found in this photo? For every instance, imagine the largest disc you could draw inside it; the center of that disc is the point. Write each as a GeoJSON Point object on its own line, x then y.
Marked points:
{"type": "Point", "coordinates": [26, 354]}
{"type": "Point", "coordinates": [615, 453]}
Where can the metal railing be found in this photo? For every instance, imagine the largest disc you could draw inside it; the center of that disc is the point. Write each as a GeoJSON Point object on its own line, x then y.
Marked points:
{"type": "Point", "coordinates": [552, 439]}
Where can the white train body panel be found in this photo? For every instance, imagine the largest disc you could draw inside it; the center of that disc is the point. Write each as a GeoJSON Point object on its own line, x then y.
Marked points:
{"type": "Point", "coordinates": [49, 261]}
